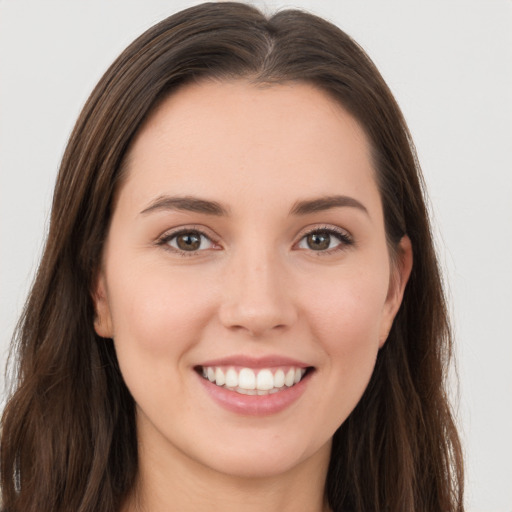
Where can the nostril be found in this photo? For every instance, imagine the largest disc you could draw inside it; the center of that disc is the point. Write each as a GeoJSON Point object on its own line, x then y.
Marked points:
{"type": "Point", "coordinates": [257, 302]}
{"type": "Point", "coordinates": [256, 321]}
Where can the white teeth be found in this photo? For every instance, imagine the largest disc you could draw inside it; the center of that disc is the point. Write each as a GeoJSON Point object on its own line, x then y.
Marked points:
{"type": "Point", "coordinates": [253, 382]}
{"type": "Point", "coordinates": [279, 379]}
{"type": "Point", "coordinates": [247, 379]}
{"type": "Point", "coordinates": [290, 377]}
{"type": "Point", "coordinates": [265, 380]}
{"type": "Point", "coordinates": [220, 378]}
{"type": "Point", "coordinates": [231, 378]}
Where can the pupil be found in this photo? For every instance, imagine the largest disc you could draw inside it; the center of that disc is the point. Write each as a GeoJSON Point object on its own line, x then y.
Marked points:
{"type": "Point", "coordinates": [189, 241]}
{"type": "Point", "coordinates": [319, 241]}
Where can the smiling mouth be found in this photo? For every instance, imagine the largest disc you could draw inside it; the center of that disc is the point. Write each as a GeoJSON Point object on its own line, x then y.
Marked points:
{"type": "Point", "coordinates": [248, 381]}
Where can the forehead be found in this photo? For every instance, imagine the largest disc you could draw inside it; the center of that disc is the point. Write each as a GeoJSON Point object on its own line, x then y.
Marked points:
{"type": "Point", "coordinates": [236, 137]}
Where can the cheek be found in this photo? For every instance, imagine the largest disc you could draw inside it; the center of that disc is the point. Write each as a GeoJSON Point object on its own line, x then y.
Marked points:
{"type": "Point", "coordinates": [347, 311]}
{"type": "Point", "coordinates": [156, 318]}
{"type": "Point", "coordinates": [346, 320]}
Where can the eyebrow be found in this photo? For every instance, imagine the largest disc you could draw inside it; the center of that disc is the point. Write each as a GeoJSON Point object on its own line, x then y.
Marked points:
{"type": "Point", "coordinates": [186, 203]}
{"type": "Point", "coordinates": [326, 203]}
{"type": "Point", "coordinates": [193, 204]}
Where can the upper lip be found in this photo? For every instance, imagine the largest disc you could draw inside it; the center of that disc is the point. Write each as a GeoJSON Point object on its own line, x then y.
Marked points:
{"type": "Point", "coordinates": [255, 362]}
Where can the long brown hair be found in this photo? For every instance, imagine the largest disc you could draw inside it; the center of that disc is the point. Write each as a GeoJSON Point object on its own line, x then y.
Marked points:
{"type": "Point", "coordinates": [69, 439]}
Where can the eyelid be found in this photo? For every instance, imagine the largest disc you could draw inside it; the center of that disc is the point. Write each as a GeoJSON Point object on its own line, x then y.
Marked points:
{"type": "Point", "coordinates": [345, 237]}
{"type": "Point", "coordinates": [164, 238]}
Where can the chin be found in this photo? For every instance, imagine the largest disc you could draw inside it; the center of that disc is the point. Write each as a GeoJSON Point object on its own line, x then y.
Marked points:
{"type": "Point", "coordinates": [268, 460]}
{"type": "Point", "coordinates": [254, 467]}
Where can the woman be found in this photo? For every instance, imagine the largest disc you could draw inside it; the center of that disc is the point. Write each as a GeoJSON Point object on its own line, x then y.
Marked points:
{"type": "Point", "coordinates": [239, 303]}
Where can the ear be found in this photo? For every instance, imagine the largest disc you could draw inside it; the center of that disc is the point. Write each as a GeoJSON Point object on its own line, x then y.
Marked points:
{"type": "Point", "coordinates": [102, 317]}
{"type": "Point", "coordinates": [400, 273]}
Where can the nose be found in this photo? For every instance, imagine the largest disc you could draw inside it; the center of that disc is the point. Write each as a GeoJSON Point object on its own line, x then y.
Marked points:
{"type": "Point", "coordinates": [257, 295]}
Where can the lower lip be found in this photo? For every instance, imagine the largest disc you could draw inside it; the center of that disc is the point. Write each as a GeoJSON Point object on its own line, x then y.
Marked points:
{"type": "Point", "coordinates": [255, 405]}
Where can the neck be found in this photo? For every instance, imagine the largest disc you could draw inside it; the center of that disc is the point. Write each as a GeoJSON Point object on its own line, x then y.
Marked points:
{"type": "Point", "coordinates": [169, 481]}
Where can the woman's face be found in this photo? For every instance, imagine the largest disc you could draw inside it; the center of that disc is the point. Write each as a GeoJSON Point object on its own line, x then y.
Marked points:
{"type": "Point", "coordinates": [247, 251]}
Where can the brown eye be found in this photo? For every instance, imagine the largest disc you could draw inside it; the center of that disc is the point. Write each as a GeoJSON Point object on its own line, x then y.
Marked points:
{"type": "Point", "coordinates": [189, 241]}
{"type": "Point", "coordinates": [325, 240]}
{"type": "Point", "coordinates": [318, 241]}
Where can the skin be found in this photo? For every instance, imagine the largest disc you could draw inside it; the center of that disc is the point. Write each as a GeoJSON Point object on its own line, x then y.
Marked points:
{"type": "Point", "coordinates": [255, 287]}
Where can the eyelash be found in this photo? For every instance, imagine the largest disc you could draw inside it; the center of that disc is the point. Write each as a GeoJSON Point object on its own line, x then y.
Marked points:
{"type": "Point", "coordinates": [342, 236]}
{"type": "Point", "coordinates": [164, 240]}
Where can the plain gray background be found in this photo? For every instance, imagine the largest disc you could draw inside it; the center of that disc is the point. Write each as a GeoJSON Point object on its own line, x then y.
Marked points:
{"type": "Point", "coordinates": [449, 65]}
